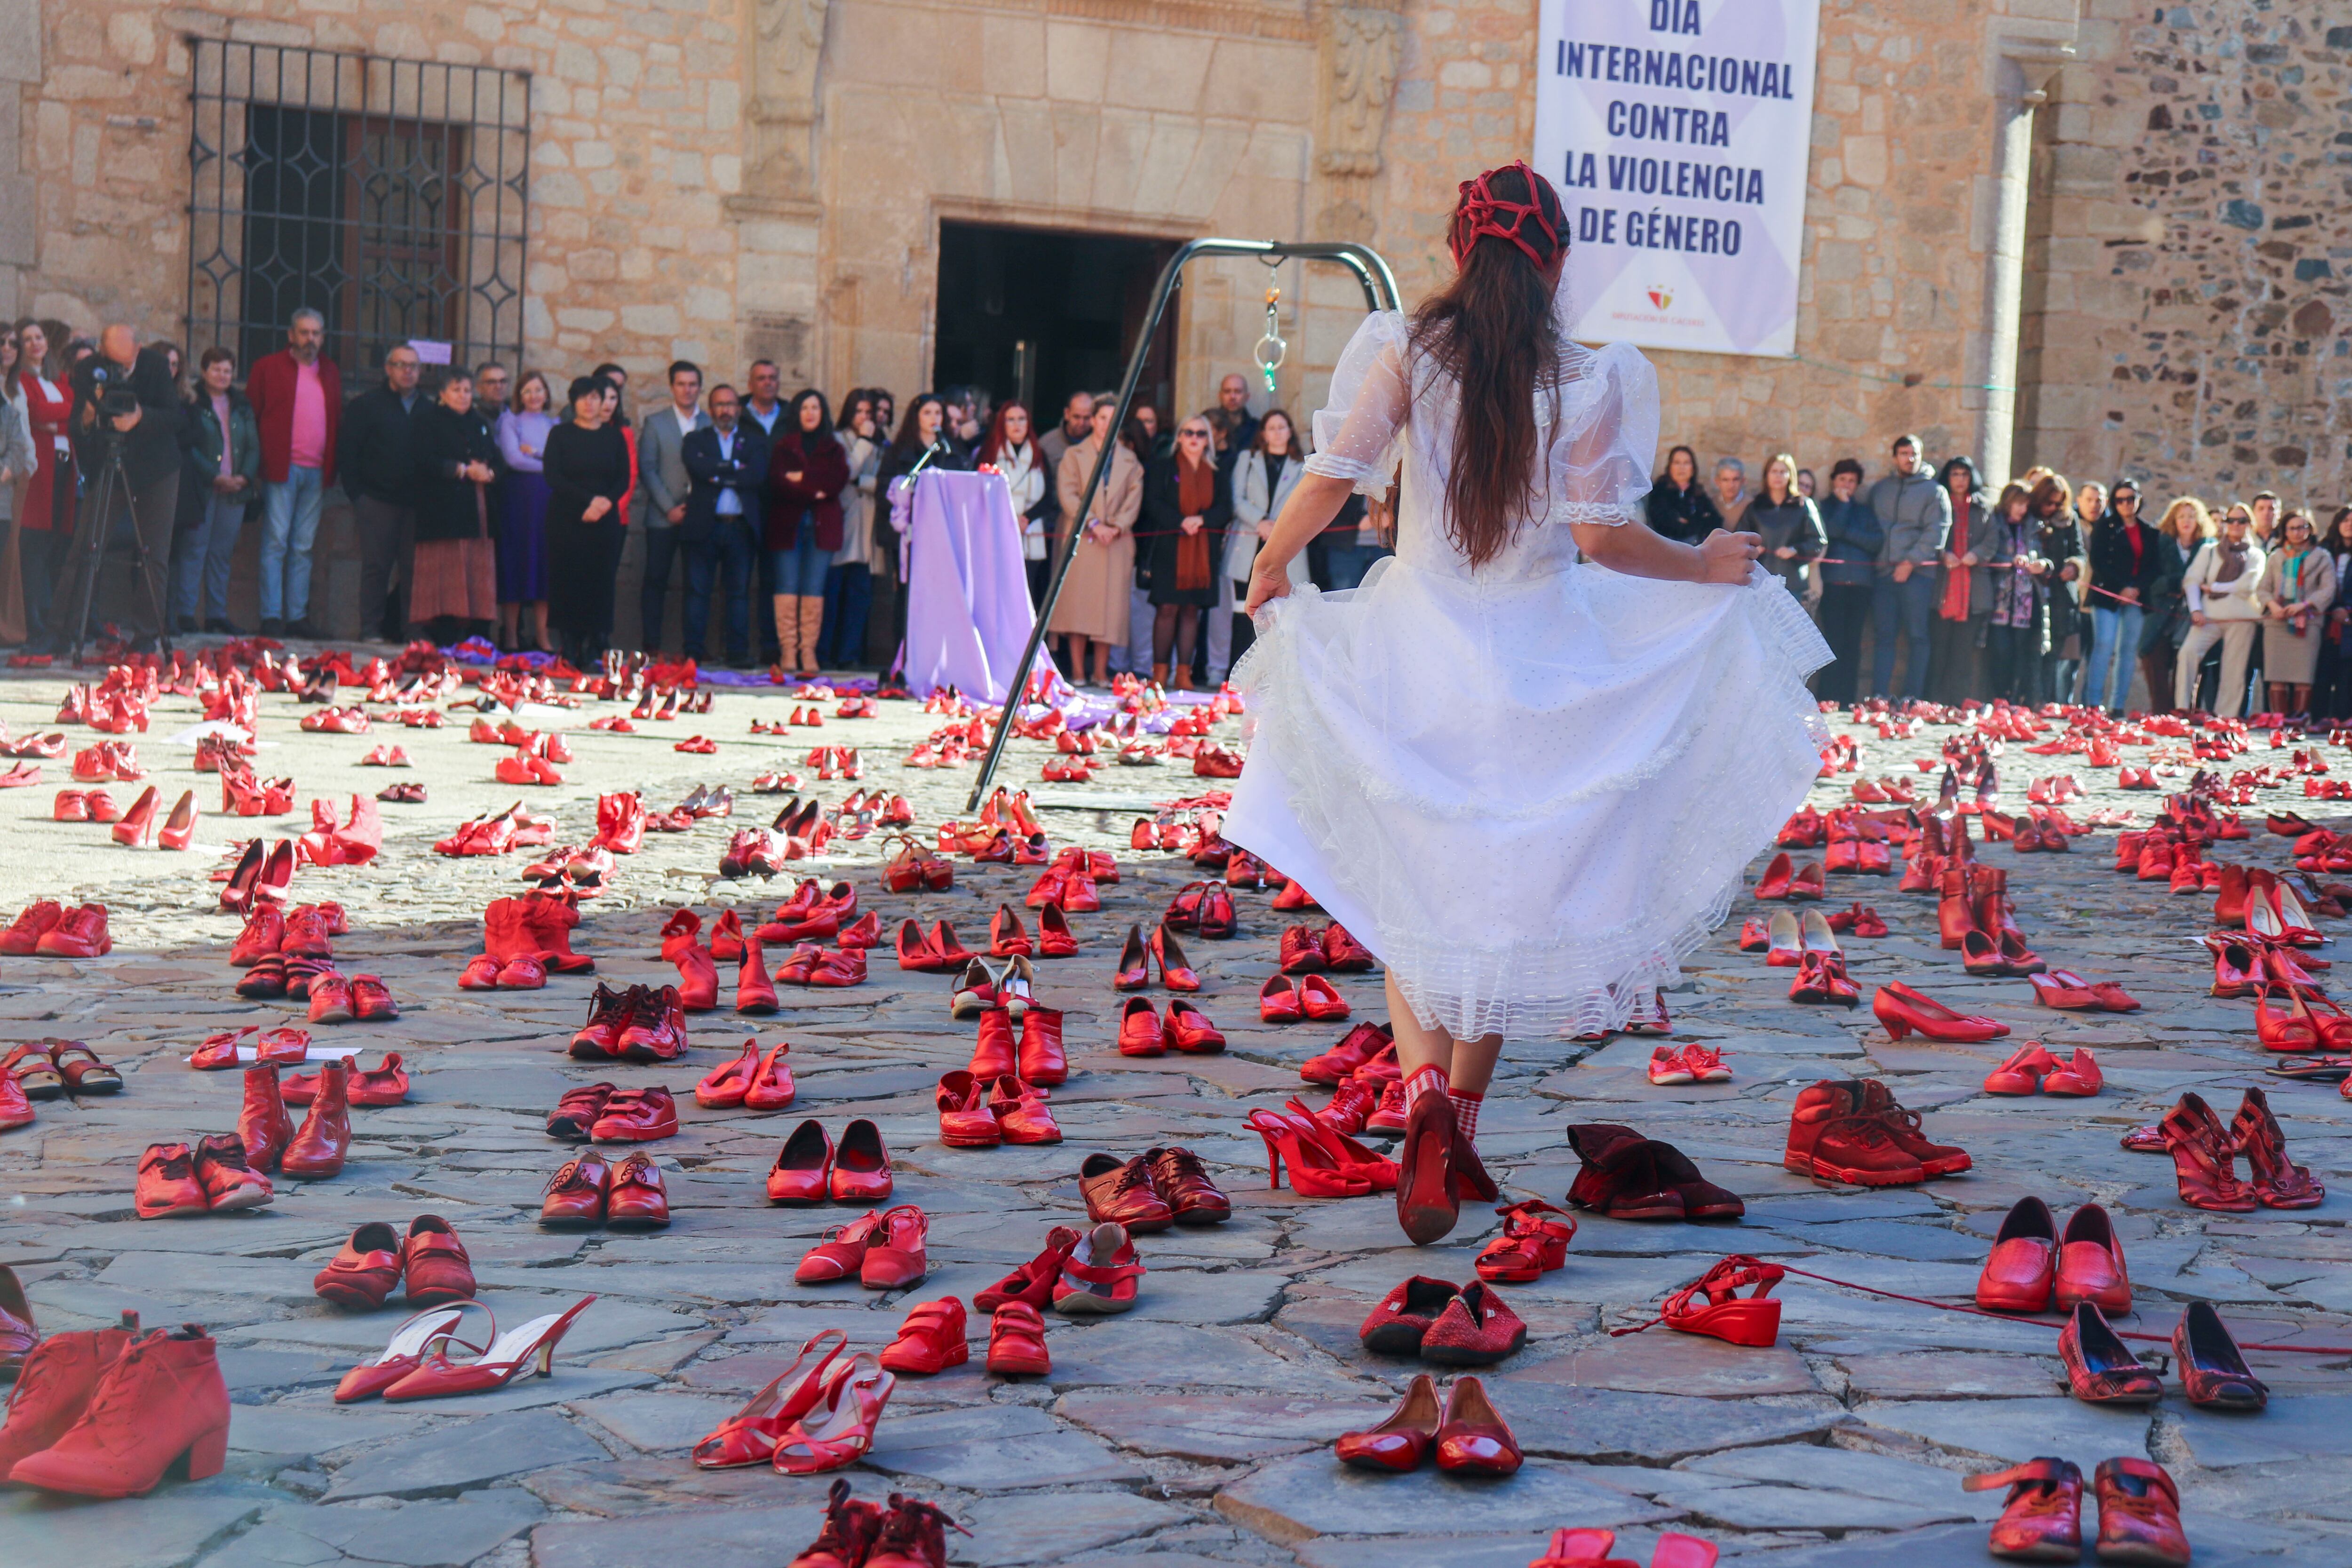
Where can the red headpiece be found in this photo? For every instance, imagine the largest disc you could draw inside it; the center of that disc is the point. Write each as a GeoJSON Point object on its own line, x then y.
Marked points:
{"type": "Point", "coordinates": [1482, 213]}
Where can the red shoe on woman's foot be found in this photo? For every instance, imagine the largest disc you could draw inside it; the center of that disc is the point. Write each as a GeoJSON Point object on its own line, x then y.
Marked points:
{"type": "Point", "coordinates": [1427, 1208]}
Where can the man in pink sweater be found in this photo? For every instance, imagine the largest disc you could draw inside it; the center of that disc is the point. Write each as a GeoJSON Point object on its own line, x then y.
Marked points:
{"type": "Point", "coordinates": [297, 399]}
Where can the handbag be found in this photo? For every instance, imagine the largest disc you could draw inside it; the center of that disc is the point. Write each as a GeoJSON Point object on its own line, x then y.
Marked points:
{"type": "Point", "coordinates": [1191, 561]}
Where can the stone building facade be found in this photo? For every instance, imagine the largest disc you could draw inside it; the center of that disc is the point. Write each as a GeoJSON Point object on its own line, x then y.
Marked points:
{"type": "Point", "coordinates": [2078, 231]}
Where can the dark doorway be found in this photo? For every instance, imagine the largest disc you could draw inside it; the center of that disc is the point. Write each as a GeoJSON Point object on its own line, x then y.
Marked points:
{"type": "Point", "coordinates": [1038, 313]}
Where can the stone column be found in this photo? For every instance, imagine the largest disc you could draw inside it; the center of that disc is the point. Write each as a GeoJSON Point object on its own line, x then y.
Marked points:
{"type": "Point", "coordinates": [2021, 68]}
{"type": "Point", "coordinates": [778, 209]}
{"type": "Point", "coordinates": [20, 63]}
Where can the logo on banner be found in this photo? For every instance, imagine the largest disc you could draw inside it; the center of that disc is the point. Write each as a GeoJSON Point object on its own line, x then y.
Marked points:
{"type": "Point", "coordinates": [1661, 296]}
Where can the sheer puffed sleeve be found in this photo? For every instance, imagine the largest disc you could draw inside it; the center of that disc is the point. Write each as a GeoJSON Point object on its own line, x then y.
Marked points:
{"type": "Point", "coordinates": [1356, 432]}
{"type": "Point", "coordinates": [1601, 454]}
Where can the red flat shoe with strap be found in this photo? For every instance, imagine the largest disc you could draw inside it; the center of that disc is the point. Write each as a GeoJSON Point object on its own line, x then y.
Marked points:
{"type": "Point", "coordinates": [2042, 1519]}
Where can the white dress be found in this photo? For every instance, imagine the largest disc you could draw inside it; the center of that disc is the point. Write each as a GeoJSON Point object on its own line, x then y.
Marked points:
{"type": "Point", "coordinates": [1529, 788]}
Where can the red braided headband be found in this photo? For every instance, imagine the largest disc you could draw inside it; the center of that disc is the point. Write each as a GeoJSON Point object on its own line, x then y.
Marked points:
{"type": "Point", "coordinates": [1481, 213]}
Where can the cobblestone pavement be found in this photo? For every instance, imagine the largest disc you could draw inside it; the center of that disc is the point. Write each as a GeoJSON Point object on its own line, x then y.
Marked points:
{"type": "Point", "coordinates": [1196, 1430]}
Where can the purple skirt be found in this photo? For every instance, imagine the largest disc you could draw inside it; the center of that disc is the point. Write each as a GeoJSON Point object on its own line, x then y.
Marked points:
{"type": "Point", "coordinates": [522, 540]}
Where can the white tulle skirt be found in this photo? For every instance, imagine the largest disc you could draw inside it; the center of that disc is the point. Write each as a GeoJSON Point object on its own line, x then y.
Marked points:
{"type": "Point", "coordinates": [1530, 798]}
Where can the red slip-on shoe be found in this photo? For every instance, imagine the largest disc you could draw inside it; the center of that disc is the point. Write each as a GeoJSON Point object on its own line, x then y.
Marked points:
{"type": "Point", "coordinates": [2021, 1073]}
{"type": "Point", "coordinates": [2076, 1076]}
{"type": "Point", "coordinates": [1477, 1327]}
{"type": "Point", "coordinates": [723, 1087]}
{"type": "Point", "coordinates": [2090, 1265]}
{"type": "Point", "coordinates": [2019, 1272]}
{"type": "Point", "coordinates": [930, 1339]}
{"type": "Point", "coordinates": [1400, 1441]}
{"type": "Point", "coordinates": [1021, 1113]}
{"type": "Point", "coordinates": [283, 1046]}
{"type": "Point", "coordinates": [362, 1275]}
{"type": "Point", "coordinates": [637, 1116]}
{"type": "Point", "coordinates": [861, 1165]}
{"type": "Point", "coordinates": [1320, 1001]}
{"type": "Point", "coordinates": [433, 1264]}
{"type": "Point", "coordinates": [798, 1177]}
{"type": "Point", "coordinates": [2100, 1368]}
{"type": "Point", "coordinates": [1055, 938]}
{"type": "Point", "coordinates": [1188, 1029]}
{"type": "Point", "coordinates": [1278, 1002]}
{"type": "Point", "coordinates": [770, 1087]}
{"type": "Point", "coordinates": [1776, 876]}
{"type": "Point", "coordinates": [1472, 1436]}
{"type": "Point", "coordinates": [1141, 1033]}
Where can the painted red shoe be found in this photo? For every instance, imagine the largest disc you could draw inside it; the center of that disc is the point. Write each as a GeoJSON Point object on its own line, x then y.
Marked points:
{"type": "Point", "coordinates": [1141, 1033]}
{"type": "Point", "coordinates": [162, 1403]}
{"type": "Point", "coordinates": [861, 1166]}
{"type": "Point", "coordinates": [361, 1277]}
{"type": "Point", "coordinates": [2042, 1519]}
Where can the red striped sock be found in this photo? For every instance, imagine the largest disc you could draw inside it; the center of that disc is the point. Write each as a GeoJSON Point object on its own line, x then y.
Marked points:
{"type": "Point", "coordinates": [1425, 1080]}
{"type": "Point", "coordinates": [1466, 1110]}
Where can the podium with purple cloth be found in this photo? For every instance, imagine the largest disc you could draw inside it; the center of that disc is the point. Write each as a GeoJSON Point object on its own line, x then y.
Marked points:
{"type": "Point", "coordinates": [967, 610]}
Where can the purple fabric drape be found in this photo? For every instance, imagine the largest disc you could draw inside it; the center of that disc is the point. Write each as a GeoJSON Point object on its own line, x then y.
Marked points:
{"type": "Point", "coordinates": [967, 610]}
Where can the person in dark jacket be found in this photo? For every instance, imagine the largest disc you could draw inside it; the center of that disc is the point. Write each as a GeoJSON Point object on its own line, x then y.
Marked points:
{"type": "Point", "coordinates": [587, 463]}
{"type": "Point", "coordinates": [222, 444]}
{"type": "Point", "coordinates": [725, 526]}
{"type": "Point", "coordinates": [378, 469]}
{"type": "Point", "coordinates": [2186, 529]}
{"type": "Point", "coordinates": [808, 468]}
{"type": "Point", "coordinates": [1963, 583]}
{"type": "Point", "coordinates": [1916, 512]}
{"type": "Point", "coordinates": [1849, 570]}
{"type": "Point", "coordinates": [454, 571]}
{"type": "Point", "coordinates": [1185, 510]}
{"type": "Point", "coordinates": [2125, 566]}
{"type": "Point", "coordinates": [147, 439]}
{"type": "Point", "coordinates": [2059, 540]}
{"type": "Point", "coordinates": [1678, 506]}
{"type": "Point", "coordinates": [1788, 524]}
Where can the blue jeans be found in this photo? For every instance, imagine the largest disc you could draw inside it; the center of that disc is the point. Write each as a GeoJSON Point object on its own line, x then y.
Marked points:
{"type": "Point", "coordinates": [2114, 632]}
{"type": "Point", "coordinates": [290, 526]}
{"type": "Point", "coordinates": [1346, 563]}
{"type": "Point", "coordinates": [726, 554]}
{"type": "Point", "coordinates": [800, 569]}
{"type": "Point", "coordinates": [1903, 607]}
{"type": "Point", "coordinates": [203, 555]}
{"type": "Point", "coordinates": [849, 601]}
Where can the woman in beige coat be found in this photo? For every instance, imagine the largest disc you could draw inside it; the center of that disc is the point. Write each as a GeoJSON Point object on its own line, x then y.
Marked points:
{"type": "Point", "coordinates": [2297, 585]}
{"type": "Point", "coordinates": [1094, 605]}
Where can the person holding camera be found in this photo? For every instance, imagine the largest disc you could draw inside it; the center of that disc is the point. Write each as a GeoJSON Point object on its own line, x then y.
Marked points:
{"type": "Point", "coordinates": [127, 413]}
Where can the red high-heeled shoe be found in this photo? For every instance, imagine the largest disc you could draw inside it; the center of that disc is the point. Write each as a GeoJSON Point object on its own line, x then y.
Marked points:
{"type": "Point", "coordinates": [2204, 1162]}
{"type": "Point", "coordinates": [1713, 1306]}
{"type": "Point", "coordinates": [181, 828]}
{"type": "Point", "coordinates": [1353, 1158]}
{"type": "Point", "coordinates": [518, 1353]}
{"type": "Point", "coordinates": [1315, 1172]}
{"type": "Point", "coordinates": [1904, 1011]}
{"type": "Point", "coordinates": [1776, 876]}
{"type": "Point", "coordinates": [1175, 974]}
{"type": "Point", "coordinates": [837, 1428]}
{"type": "Point", "coordinates": [751, 1434]}
{"type": "Point", "coordinates": [137, 829]}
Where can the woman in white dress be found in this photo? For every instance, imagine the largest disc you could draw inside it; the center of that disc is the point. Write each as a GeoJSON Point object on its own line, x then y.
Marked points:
{"type": "Point", "coordinates": [1529, 786]}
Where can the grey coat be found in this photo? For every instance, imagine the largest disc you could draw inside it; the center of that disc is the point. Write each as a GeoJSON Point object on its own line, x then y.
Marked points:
{"type": "Point", "coordinates": [662, 479]}
{"type": "Point", "coordinates": [16, 454]}
{"type": "Point", "coordinates": [1916, 513]}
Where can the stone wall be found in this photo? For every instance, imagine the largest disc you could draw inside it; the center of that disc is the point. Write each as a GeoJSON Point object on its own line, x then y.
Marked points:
{"type": "Point", "coordinates": [2194, 245]}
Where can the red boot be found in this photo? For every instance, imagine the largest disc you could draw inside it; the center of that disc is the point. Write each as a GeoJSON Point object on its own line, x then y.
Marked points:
{"type": "Point", "coordinates": [317, 1151]}
{"type": "Point", "coordinates": [263, 1125]}
{"type": "Point", "coordinates": [54, 1388]}
{"type": "Point", "coordinates": [549, 920]}
{"type": "Point", "coordinates": [163, 1401]}
{"type": "Point", "coordinates": [754, 991]}
{"type": "Point", "coordinates": [697, 974]}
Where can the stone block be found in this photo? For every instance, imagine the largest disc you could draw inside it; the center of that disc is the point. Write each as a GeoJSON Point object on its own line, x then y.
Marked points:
{"type": "Point", "coordinates": [451, 1459]}
{"type": "Point", "coordinates": [1296, 1499]}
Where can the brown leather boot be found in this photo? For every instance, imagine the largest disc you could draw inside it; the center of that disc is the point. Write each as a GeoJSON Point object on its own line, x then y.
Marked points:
{"type": "Point", "coordinates": [264, 1124]}
{"type": "Point", "coordinates": [318, 1149]}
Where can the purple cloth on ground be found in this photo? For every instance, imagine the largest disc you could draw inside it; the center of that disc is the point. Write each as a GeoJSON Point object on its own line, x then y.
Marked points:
{"type": "Point", "coordinates": [967, 610]}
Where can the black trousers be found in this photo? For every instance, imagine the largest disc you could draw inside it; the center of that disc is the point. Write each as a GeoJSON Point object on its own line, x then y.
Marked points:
{"type": "Point", "coordinates": [2012, 662]}
{"type": "Point", "coordinates": [1845, 611]}
{"type": "Point", "coordinates": [150, 511]}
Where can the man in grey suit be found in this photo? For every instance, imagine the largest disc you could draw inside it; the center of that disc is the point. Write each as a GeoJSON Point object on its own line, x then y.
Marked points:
{"type": "Point", "coordinates": [663, 486]}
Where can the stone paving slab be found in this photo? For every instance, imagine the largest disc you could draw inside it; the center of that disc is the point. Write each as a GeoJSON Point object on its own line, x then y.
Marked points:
{"type": "Point", "coordinates": [1196, 1429]}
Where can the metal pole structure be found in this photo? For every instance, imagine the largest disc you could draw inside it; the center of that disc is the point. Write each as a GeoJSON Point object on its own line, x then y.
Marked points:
{"type": "Point", "coordinates": [1380, 287]}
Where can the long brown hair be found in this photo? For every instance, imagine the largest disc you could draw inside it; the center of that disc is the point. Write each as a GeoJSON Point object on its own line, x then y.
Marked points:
{"type": "Point", "coordinates": [1492, 330]}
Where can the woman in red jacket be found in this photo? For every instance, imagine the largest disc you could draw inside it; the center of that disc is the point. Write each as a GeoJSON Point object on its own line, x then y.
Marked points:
{"type": "Point", "coordinates": [807, 470]}
{"type": "Point", "coordinates": [45, 522]}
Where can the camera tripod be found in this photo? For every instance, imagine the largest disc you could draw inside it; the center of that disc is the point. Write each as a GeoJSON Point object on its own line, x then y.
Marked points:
{"type": "Point", "coordinates": [90, 551]}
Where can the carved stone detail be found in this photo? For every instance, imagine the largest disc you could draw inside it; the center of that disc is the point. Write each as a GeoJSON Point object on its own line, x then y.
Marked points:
{"type": "Point", "coordinates": [1361, 47]}
{"type": "Point", "coordinates": [787, 44]}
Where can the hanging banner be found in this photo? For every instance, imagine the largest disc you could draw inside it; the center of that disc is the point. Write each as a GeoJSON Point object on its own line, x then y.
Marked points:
{"type": "Point", "coordinates": [1677, 132]}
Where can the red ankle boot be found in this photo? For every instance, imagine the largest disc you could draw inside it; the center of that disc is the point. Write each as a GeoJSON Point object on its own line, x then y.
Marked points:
{"type": "Point", "coordinates": [263, 1125]}
{"type": "Point", "coordinates": [163, 1401]}
{"type": "Point", "coordinates": [754, 991]}
{"type": "Point", "coordinates": [697, 974]}
{"type": "Point", "coordinates": [548, 921]}
{"type": "Point", "coordinates": [317, 1151]}
{"type": "Point", "coordinates": [55, 1386]}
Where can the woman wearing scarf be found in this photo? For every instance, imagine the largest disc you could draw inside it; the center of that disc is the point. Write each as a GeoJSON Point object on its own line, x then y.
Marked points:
{"type": "Point", "coordinates": [2223, 609]}
{"type": "Point", "coordinates": [1184, 511]}
{"type": "Point", "coordinates": [2298, 583]}
{"type": "Point", "coordinates": [1956, 639]}
{"type": "Point", "coordinates": [2017, 633]}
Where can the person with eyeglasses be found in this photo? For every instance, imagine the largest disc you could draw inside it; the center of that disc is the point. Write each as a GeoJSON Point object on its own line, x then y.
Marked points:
{"type": "Point", "coordinates": [2124, 568]}
{"type": "Point", "coordinates": [2223, 608]}
{"type": "Point", "coordinates": [1185, 510]}
{"type": "Point", "coordinates": [2298, 585]}
{"type": "Point", "coordinates": [2186, 527]}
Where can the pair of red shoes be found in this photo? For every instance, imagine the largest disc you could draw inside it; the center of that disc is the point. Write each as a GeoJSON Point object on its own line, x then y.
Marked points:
{"type": "Point", "coordinates": [353, 721]}
{"type": "Point", "coordinates": [377, 1258]}
{"type": "Point", "coordinates": [527, 765]}
{"type": "Point", "coordinates": [936, 952]}
{"type": "Point", "coordinates": [1204, 909]}
{"type": "Point", "coordinates": [316, 1152]}
{"type": "Point", "coordinates": [50, 929]}
{"type": "Point", "coordinates": [246, 793]}
{"type": "Point", "coordinates": [1456, 1325]}
{"type": "Point", "coordinates": [755, 1080]}
{"type": "Point", "coordinates": [1008, 938]}
{"type": "Point", "coordinates": [601, 1113]}
{"type": "Point", "coordinates": [620, 822]}
{"type": "Point", "coordinates": [978, 1112]}
{"type": "Point", "coordinates": [385, 757]}
{"type": "Point", "coordinates": [143, 825]}
{"type": "Point", "coordinates": [1467, 1435]}
{"type": "Point", "coordinates": [2031, 1069]}
{"type": "Point", "coordinates": [107, 1413]}
{"type": "Point", "coordinates": [586, 1191]}
{"type": "Point", "coordinates": [523, 940]}
{"type": "Point", "coordinates": [1137, 956]}
{"type": "Point", "coordinates": [1037, 1057]}
{"type": "Point", "coordinates": [359, 998]}
{"type": "Point", "coordinates": [809, 1169]}
{"type": "Point", "coordinates": [1186, 1029]}
{"type": "Point", "coordinates": [109, 761]}
{"type": "Point", "coordinates": [2139, 1512]}
{"type": "Point", "coordinates": [882, 1249]}
{"type": "Point", "coordinates": [306, 930]}
{"type": "Point", "coordinates": [497, 832]}
{"type": "Point", "coordinates": [1305, 950]}
{"type": "Point", "coordinates": [1314, 998]}
{"type": "Point", "coordinates": [640, 1023]}
{"type": "Point", "coordinates": [2032, 1268]}
{"type": "Point", "coordinates": [1852, 1132]}
{"type": "Point", "coordinates": [84, 805]}
{"type": "Point", "coordinates": [1782, 880]}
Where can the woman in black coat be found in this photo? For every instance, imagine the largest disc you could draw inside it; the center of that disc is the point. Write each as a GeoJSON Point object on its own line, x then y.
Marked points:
{"type": "Point", "coordinates": [1186, 505]}
{"type": "Point", "coordinates": [457, 463]}
{"type": "Point", "coordinates": [1678, 506]}
{"type": "Point", "coordinates": [586, 466]}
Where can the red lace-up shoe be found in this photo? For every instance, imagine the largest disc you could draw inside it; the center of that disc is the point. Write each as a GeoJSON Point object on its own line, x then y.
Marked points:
{"type": "Point", "coordinates": [167, 1187]}
{"type": "Point", "coordinates": [161, 1403]}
